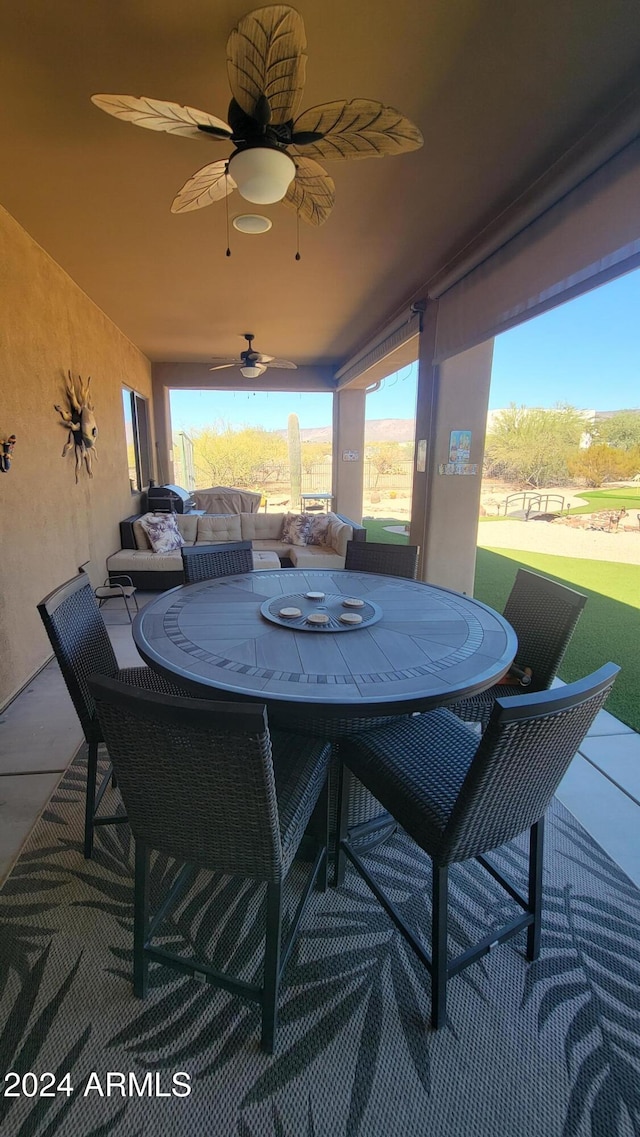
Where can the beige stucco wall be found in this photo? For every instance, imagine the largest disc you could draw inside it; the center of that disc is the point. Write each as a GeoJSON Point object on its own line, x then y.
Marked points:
{"type": "Point", "coordinates": [348, 437]}
{"type": "Point", "coordinates": [48, 524]}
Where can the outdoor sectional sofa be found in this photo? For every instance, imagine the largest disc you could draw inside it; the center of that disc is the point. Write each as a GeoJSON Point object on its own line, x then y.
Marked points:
{"type": "Point", "coordinates": [155, 571]}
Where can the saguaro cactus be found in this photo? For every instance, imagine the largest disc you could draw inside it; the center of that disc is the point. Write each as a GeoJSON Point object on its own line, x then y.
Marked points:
{"type": "Point", "coordinates": [295, 460]}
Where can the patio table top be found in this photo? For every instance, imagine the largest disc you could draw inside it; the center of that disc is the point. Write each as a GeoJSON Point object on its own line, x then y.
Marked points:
{"type": "Point", "coordinates": [428, 647]}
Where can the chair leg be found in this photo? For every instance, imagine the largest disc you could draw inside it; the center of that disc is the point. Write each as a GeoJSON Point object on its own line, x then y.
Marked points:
{"type": "Point", "coordinates": [342, 822]}
{"type": "Point", "coordinates": [322, 880]}
{"type": "Point", "coordinates": [439, 910]}
{"type": "Point", "coordinates": [126, 604]}
{"type": "Point", "coordinates": [271, 982]}
{"type": "Point", "coordinates": [536, 853]}
{"type": "Point", "coordinates": [140, 920]}
{"type": "Point", "coordinates": [89, 809]}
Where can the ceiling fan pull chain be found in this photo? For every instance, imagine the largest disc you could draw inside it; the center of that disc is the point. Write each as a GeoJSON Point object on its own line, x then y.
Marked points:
{"type": "Point", "coordinates": [298, 235]}
{"type": "Point", "coordinates": [226, 201]}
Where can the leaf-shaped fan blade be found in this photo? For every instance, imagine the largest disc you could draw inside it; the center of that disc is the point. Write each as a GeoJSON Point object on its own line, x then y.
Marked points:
{"type": "Point", "coordinates": [265, 56]}
{"type": "Point", "coordinates": [156, 115]}
{"type": "Point", "coordinates": [311, 193]}
{"type": "Point", "coordinates": [221, 366]}
{"type": "Point", "coordinates": [209, 184]}
{"type": "Point", "coordinates": [258, 357]}
{"type": "Point", "coordinates": [361, 128]}
{"type": "Point", "coordinates": [286, 363]}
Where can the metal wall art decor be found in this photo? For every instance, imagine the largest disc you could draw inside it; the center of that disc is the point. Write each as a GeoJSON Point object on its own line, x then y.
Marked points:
{"type": "Point", "coordinates": [275, 146]}
{"type": "Point", "coordinates": [6, 453]}
{"type": "Point", "coordinates": [80, 422]}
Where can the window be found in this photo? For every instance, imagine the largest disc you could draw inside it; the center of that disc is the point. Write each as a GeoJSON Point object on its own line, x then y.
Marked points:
{"type": "Point", "coordinates": [136, 427]}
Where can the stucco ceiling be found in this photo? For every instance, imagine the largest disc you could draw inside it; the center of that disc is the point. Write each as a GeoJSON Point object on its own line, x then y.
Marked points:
{"type": "Point", "coordinates": [499, 90]}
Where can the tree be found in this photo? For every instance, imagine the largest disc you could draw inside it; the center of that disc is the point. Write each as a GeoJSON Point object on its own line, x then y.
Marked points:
{"type": "Point", "coordinates": [531, 445]}
{"type": "Point", "coordinates": [314, 453]}
{"type": "Point", "coordinates": [385, 457]}
{"type": "Point", "coordinates": [243, 457]}
{"type": "Point", "coordinates": [600, 463]}
{"type": "Point", "coordinates": [621, 430]}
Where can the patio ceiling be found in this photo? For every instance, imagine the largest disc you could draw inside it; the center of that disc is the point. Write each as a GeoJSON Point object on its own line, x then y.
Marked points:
{"type": "Point", "coordinates": [499, 91]}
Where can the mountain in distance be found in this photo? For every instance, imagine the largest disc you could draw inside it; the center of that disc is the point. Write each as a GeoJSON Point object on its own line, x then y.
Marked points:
{"type": "Point", "coordinates": [403, 429]}
{"type": "Point", "coordinates": [375, 430]}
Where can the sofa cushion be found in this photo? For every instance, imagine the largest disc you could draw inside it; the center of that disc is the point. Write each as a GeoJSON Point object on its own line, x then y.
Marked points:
{"type": "Point", "coordinates": [339, 534]}
{"type": "Point", "coordinates": [295, 527]}
{"type": "Point", "coordinates": [316, 556]}
{"type": "Point", "coordinates": [217, 527]}
{"type": "Point", "coordinates": [278, 547]}
{"type": "Point", "coordinates": [140, 535]}
{"type": "Point", "coordinates": [265, 560]}
{"type": "Point", "coordinates": [188, 526]}
{"type": "Point", "coordinates": [261, 526]}
{"type": "Point", "coordinates": [145, 560]}
{"type": "Point", "coordinates": [132, 560]}
{"type": "Point", "coordinates": [162, 531]}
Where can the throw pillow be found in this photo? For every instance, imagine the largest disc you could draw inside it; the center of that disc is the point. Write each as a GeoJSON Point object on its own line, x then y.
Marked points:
{"type": "Point", "coordinates": [295, 527]}
{"type": "Point", "coordinates": [318, 529]}
{"type": "Point", "coordinates": [162, 531]}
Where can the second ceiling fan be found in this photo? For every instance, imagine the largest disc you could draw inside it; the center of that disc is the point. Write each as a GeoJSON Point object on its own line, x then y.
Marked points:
{"type": "Point", "coordinates": [253, 363]}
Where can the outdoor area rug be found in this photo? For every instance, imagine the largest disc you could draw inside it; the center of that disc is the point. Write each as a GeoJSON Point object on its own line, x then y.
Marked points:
{"type": "Point", "coordinates": [544, 1050]}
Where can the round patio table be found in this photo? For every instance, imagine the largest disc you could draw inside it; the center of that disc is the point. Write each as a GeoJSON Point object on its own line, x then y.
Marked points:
{"type": "Point", "coordinates": [418, 647]}
{"type": "Point", "coordinates": [428, 647]}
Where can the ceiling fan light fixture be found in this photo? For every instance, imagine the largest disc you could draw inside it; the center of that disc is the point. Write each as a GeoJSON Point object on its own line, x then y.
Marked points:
{"type": "Point", "coordinates": [262, 174]}
{"type": "Point", "coordinates": [252, 371]}
{"type": "Point", "coordinates": [252, 223]}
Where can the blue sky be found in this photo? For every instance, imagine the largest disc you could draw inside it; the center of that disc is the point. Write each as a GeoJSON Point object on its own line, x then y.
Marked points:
{"type": "Point", "coordinates": [586, 352]}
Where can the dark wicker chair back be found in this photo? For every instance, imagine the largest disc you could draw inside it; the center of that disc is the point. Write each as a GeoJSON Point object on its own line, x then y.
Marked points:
{"type": "Point", "coordinates": [79, 638]}
{"type": "Point", "coordinates": [199, 782]}
{"type": "Point", "coordinates": [459, 797]}
{"type": "Point", "coordinates": [520, 761]}
{"type": "Point", "coordinates": [376, 556]}
{"type": "Point", "coordinates": [543, 615]}
{"type": "Point", "coordinates": [205, 562]}
{"type": "Point", "coordinates": [196, 777]}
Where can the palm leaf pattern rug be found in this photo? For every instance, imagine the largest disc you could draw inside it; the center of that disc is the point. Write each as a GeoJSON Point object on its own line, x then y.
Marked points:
{"type": "Point", "coordinates": [544, 1050]}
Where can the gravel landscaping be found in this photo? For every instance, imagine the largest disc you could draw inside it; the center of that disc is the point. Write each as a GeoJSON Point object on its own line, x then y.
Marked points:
{"type": "Point", "coordinates": [561, 540]}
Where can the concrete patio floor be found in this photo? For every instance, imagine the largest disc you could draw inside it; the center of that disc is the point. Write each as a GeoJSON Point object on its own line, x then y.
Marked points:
{"type": "Point", "coordinates": [40, 734]}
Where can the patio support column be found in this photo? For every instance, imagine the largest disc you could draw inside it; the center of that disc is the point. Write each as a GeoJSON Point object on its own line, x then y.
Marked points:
{"type": "Point", "coordinates": [348, 452]}
{"type": "Point", "coordinates": [163, 458]}
{"type": "Point", "coordinates": [452, 396]}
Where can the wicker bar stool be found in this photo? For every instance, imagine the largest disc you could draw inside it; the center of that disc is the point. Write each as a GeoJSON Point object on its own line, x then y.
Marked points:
{"type": "Point", "coordinates": [543, 614]}
{"type": "Point", "coordinates": [206, 562]}
{"type": "Point", "coordinates": [376, 556]}
{"type": "Point", "coordinates": [459, 797]}
{"type": "Point", "coordinates": [207, 784]}
{"type": "Point", "coordinates": [79, 638]}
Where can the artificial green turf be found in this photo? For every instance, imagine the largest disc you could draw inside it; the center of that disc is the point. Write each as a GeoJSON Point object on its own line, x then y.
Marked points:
{"type": "Point", "coordinates": [376, 531]}
{"type": "Point", "coordinates": [623, 497]}
{"type": "Point", "coordinates": [609, 628]}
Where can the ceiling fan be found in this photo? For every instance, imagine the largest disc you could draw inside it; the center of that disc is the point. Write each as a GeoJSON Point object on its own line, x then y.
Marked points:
{"type": "Point", "coordinates": [275, 152]}
{"type": "Point", "coordinates": [252, 363]}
